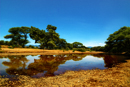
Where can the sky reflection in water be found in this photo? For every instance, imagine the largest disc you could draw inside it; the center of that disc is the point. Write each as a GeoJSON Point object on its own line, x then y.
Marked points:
{"type": "Point", "coordinates": [51, 65]}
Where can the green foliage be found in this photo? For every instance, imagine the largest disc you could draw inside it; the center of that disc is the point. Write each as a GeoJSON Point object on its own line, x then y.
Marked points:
{"type": "Point", "coordinates": [80, 49]}
{"type": "Point", "coordinates": [18, 35]}
{"type": "Point", "coordinates": [11, 47]}
{"type": "Point", "coordinates": [77, 45]}
{"type": "Point", "coordinates": [51, 27]}
{"type": "Point", "coordinates": [30, 46]}
{"type": "Point", "coordinates": [119, 41]}
{"type": "Point", "coordinates": [47, 39]}
{"type": "Point", "coordinates": [2, 42]}
{"type": "Point", "coordinates": [98, 48]}
{"type": "Point", "coordinates": [67, 48]}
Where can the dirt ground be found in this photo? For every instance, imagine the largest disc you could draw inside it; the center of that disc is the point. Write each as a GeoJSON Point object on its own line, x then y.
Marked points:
{"type": "Point", "coordinates": [118, 76]}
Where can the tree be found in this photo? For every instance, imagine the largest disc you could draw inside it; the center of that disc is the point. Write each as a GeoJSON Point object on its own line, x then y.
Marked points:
{"type": "Point", "coordinates": [51, 27]}
{"type": "Point", "coordinates": [47, 39]}
{"type": "Point", "coordinates": [70, 46]}
{"type": "Point", "coordinates": [77, 45]}
{"type": "Point", "coordinates": [62, 44]}
{"type": "Point", "coordinates": [18, 35]}
{"type": "Point", "coordinates": [98, 48]}
{"type": "Point", "coordinates": [119, 41]}
{"type": "Point", "coordinates": [1, 42]}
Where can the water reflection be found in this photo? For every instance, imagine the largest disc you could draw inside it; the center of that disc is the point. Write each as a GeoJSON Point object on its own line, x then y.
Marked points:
{"type": "Point", "coordinates": [51, 65]}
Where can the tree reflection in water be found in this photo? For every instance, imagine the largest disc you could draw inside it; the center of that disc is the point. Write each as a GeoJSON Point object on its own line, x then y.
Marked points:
{"type": "Point", "coordinates": [46, 65]}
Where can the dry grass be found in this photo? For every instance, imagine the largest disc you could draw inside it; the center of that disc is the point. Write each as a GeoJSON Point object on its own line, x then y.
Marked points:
{"type": "Point", "coordinates": [30, 51]}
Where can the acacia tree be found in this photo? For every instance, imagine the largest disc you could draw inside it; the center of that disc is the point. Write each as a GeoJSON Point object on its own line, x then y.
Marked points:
{"type": "Point", "coordinates": [119, 41]}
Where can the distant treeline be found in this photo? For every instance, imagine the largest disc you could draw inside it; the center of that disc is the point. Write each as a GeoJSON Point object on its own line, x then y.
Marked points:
{"type": "Point", "coordinates": [117, 42]}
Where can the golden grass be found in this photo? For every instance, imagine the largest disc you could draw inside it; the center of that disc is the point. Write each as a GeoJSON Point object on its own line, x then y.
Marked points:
{"type": "Point", "coordinates": [30, 51]}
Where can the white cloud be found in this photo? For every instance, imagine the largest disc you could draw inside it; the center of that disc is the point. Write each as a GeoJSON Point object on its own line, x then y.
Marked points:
{"type": "Point", "coordinates": [94, 44]}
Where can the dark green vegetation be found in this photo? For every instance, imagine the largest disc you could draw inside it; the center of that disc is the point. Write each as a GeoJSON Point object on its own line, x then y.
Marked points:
{"type": "Point", "coordinates": [117, 42]}
{"type": "Point", "coordinates": [48, 39]}
{"type": "Point", "coordinates": [18, 36]}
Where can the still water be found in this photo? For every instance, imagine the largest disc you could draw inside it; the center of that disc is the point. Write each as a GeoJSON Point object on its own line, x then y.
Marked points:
{"type": "Point", "coordinates": [51, 65]}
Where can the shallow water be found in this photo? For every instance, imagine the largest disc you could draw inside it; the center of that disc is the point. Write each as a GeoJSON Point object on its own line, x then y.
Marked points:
{"type": "Point", "coordinates": [51, 65]}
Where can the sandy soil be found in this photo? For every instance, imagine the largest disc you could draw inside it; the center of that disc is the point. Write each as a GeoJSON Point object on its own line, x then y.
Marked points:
{"type": "Point", "coordinates": [118, 76]}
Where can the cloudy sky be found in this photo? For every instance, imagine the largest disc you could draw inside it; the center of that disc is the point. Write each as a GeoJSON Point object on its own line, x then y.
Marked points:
{"type": "Point", "coordinates": [87, 21]}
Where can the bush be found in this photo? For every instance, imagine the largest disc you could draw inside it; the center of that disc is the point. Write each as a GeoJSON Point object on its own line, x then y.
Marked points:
{"type": "Point", "coordinates": [11, 47]}
{"type": "Point", "coordinates": [67, 48]}
{"type": "Point", "coordinates": [73, 50]}
{"type": "Point", "coordinates": [80, 49]}
{"type": "Point", "coordinates": [30, 46]}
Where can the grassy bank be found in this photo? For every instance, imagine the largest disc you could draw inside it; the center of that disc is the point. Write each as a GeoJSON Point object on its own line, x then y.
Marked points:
{"type": "Point", "coordinates": [31, 51]}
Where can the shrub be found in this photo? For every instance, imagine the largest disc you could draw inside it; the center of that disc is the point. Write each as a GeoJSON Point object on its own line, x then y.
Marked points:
{"type": "Point", "coordinates": [67, 48]}
{"type": "Point", "coordinates": [80, 49]}
{"type": "Point", "coordinates": [11, 47]}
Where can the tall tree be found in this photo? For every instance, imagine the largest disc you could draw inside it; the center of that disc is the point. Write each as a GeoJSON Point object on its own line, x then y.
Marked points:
{"type": "Point", "coordinates": [77, 45]}
{"type": "Point", "coordinates": [62, 44]}
{"type": "Point", "coordinates": [119, 41]}
{"type": "Point", "coordinates": [39, 36]}
{"type": "Point", "coordinates": [18, 35]}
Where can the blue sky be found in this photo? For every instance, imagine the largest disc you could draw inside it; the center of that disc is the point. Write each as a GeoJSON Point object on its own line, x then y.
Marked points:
{"type": "Point", "coordinates": [87, 21]}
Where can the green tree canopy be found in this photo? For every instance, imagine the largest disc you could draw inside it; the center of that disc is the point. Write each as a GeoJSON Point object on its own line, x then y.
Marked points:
{"type": "Point", "coordinates": [18, 35]}
{"type": "Point", "coordinates": [119, 41]}
{"type": "Point", "coordinates": [77, 45]}
{"type": "Point", "coordinates": [47, 39]}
